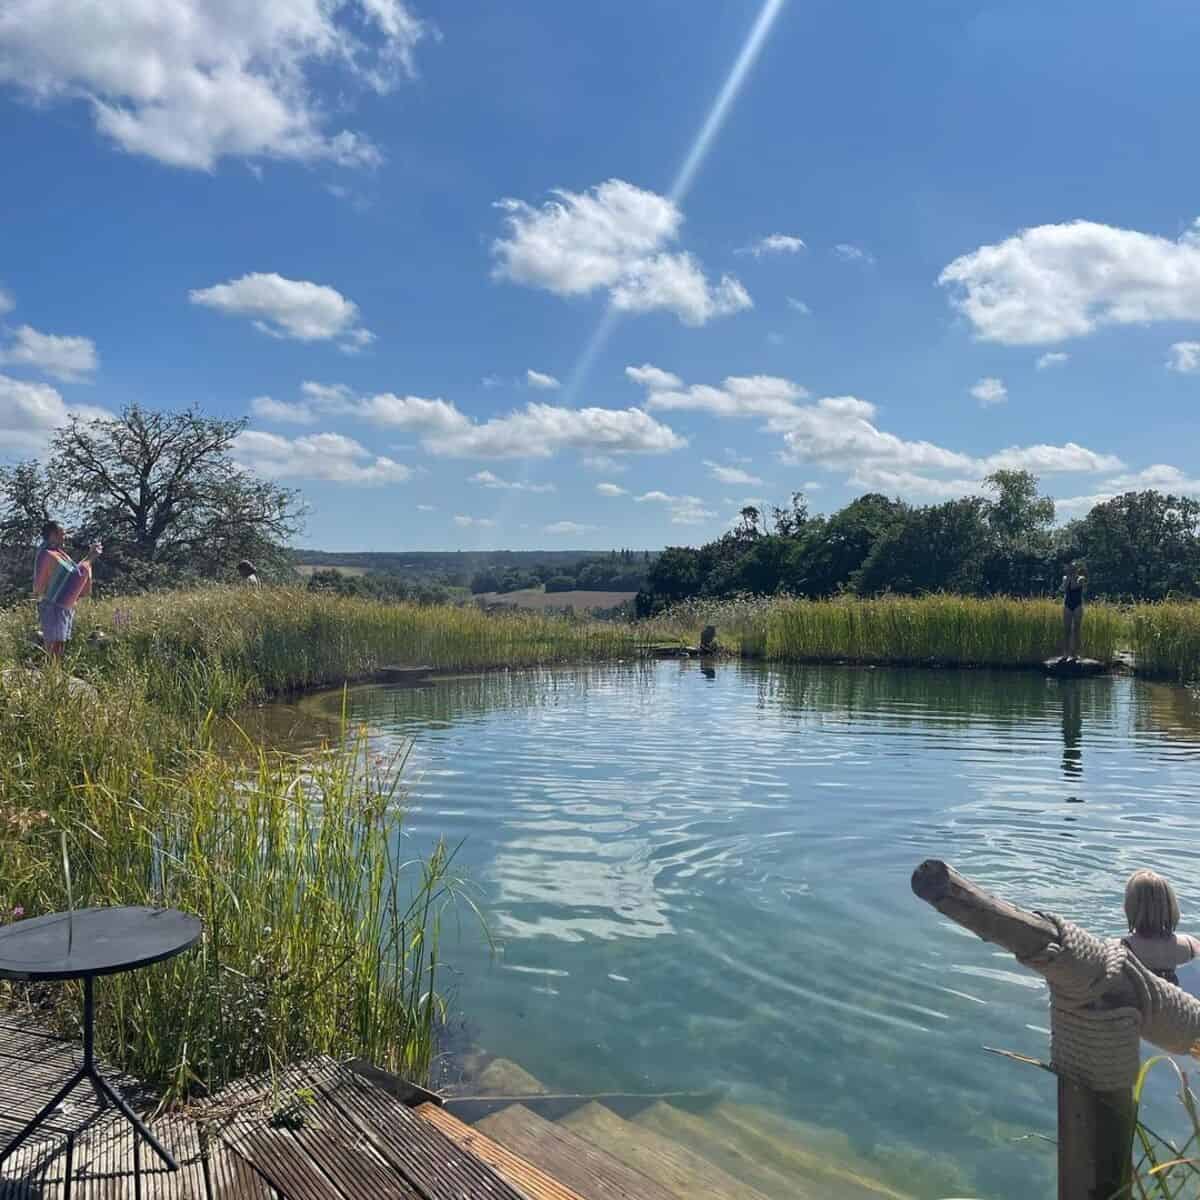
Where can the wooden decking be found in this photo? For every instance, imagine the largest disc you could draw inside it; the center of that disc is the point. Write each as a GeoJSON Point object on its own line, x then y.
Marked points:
{"type": "Point", "coordinates": [317, 1132]}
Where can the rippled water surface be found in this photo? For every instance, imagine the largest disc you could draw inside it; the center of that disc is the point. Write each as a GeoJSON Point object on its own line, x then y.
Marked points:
{"type": "Point", "coordinates": [702, 881]}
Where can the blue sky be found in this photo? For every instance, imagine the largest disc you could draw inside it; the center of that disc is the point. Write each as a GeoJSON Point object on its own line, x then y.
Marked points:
{"type": "Point", "coordinates": [449, 261]}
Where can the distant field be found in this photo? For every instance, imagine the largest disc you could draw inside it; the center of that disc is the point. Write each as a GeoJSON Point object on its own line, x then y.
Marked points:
{"type": "Point", "coordinates": [307, 569]}
{"type": "Point", "coordinates": [535, 598]}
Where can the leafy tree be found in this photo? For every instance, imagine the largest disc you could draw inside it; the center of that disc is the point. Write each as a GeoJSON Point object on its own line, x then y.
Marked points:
{"type": "Point", "coordinates": [835, 550]}
{"type": "Point", "coordinates": [940, 547]}
{"type": "Point", "coordinates": [1141, 544]}
{"type": "Point", "coordinates": [790, 521]}
{"type": "Point", "coordinates": [161, 489]}
{"type": "Point", "coordinates": [674, 575]}
{"type": "Point", "coordinates": [485, 581]}
{"type": "Point", "coordinates": [1022, 560]}
{"type": "Point", "coordinates": [560, 583]}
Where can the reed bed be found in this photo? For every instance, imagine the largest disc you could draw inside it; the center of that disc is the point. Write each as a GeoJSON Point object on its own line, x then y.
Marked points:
{"type": "Point", "coordinates": [934, 630]}
{"type": "Point", "coordinates": [321, 930]}
{"type": "Point", "coordinates": [1166, 640]}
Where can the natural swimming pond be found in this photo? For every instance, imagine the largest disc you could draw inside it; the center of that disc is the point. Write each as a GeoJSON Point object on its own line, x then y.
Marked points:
{"type": "Point", "coordinates": [702, 882]}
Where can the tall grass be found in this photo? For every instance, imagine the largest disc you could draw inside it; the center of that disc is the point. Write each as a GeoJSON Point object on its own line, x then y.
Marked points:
{"type": "Point", "coordinates": [221, 647]}
{"type": "Point", "coordinates": [940, 630]}
{"type": "Point", "coordinates": [321, 934]}
{"type": "Point", "coordinates": [1166, 640]}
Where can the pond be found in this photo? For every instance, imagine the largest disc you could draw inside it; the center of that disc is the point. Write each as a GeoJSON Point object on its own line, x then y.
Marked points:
{"type": "Point", "coordinates": [700, 880]}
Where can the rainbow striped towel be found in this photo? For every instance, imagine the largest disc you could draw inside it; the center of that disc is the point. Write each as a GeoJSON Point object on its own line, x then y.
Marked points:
{"type": "Point", "coordinates": [57, 578]}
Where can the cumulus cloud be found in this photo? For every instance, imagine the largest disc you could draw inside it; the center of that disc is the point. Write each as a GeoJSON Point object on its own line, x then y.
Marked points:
{"type": "Point", "coordinates": [1184, 357]}
{"type": "Point", "coordinates": [730, 475]}
{"type": "Point", "coordinates": [536, 431]}
{"type": "Point", "coordinates": [990, 391]}
{"type": "Point", "coordinates": [1054, 282]}
{"type": "Point", "coordinates": [683, 510]}
{"type": "Point", "coordinates": [426, 508]}
{"type": "Point", "coordinates": [70, 359]}
{"type": "Point", "coordinates": [1052, 358]}
{"type": "Point", "coordinates": [30, 413]}
{"type": "Point", "coordinates": [653, 377]}
{"type": "Point", "coordinates": [611, 489]}
{"type": "Point", "coordinates": [465, 522]}
{"type": "Point", "coordinates": [7, 303]}
{"type": "Point", "coordinates": [191, 82]}
{"type": "Point", "coordinates": [546, 383]}
{"type": "Point", "coordinates": [1160, 477]}
{"type": "Point", "coordinates": [611, 238]}
{"type": "Point", "coordinates": [774, 243]}
{"type": "Point", "coordinates": [567, 528]}
{"type": "Point", "coordinates": [288, 308]}
{"type": "Point", "coordinates": [841, 433]}
{"type": "Point", "coordinates": [798, 306]}
{"type": "Point", "coordinates": [286, 412]}
{"type": "Point", "coordinates": [848, 252]}
{"type": "Point", "coordinates": [488, 480]}
{"type": "Point", "coordinates": [604, 463]}
{"type": "Point", "coordinates": [326, 456]}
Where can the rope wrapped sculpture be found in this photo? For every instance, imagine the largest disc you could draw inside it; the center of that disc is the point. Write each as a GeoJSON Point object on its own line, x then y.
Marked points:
{"type": "Point", "coordinates": [1102, 1002]}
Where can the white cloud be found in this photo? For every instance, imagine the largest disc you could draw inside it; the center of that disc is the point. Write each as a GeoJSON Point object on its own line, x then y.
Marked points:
{"type": "Point", "coordinates": [282, 411]}
{"type": "Point", "coordinates": [653, 377]}
{"type": "Point", "coordinates": [190, 82]}
{"type": "Point", "coordinates": [1070, 458]}
{"type": "Point", "coordinates": [1052, 358]}
{"type": "Point", "coordinates": [426, 508]}
{"type": "Point", "coordinates": [612, 237]}
{"type": "Point", "coordinates": [7, 303]}
{"type": "Point", "coordinates": [848, 252]}
{"type": "Point", "coordinates": [1184, 358]}
{"type": "Point", "coordinates": [799, 306]}
{"type": "Point", "coordinates": [30, 413]}
{"type": "Point", "coordinates": [492, 381]}
{"type": "Point", "coordinates": [568, 528]}
{"type": "Point", "coordinates": [731, 475]}
{"type": "Point", "coordinates": [287, 308]}
{"type": "Point", "coordinates": [326, 456]}
{"type": "Point", "coordinates": [990, 391]}
{"type": "Point", "coordinates": [604, 463]}
{"type": "Point", "coordinates": [774, 243]}
{"type": "Point", "coordinates": [546, 383]}
{"type": "Point", "coordinates": [1053, 282]}
{"type": "Point", "coordinates": [488, 480]}
{"type": "Point", "coordinates": [739, 396]}
{"type": "Point", "coordinates": [683, 510]}
{"type": "Point", "coordinates": [611, 489]}
{"type": "Point", "coordinates": [465, 522]}
{"type": "Point", "coordinates": [70, 359]}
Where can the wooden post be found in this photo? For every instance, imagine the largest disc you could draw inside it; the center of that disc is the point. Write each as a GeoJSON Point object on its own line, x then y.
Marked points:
{"type": "Point", "coordinates": [1095, 1129]}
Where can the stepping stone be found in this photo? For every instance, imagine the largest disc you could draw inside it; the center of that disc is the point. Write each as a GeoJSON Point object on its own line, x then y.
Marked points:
{"type": "Point", "coordinates": [1072, 668]}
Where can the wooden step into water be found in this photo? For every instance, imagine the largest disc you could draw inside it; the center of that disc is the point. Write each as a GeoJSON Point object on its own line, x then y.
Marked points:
{"type": "Point", "coordinates": [806, 1153]}
{"type": "Point", "coordinates": [529, 1180]}
{"type": "Point", "coordinates": [593, 1173]}
{"type": "Point", "coordinates": [683, 1172]}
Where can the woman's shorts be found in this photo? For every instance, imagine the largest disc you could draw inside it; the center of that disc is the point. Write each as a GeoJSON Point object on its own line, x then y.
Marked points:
{"type": "Point", "coordinates": [56, 621]}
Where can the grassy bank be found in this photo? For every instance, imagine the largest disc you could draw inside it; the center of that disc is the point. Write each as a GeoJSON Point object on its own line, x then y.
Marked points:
{"type": "Point", "coordinates": [320, 936]}
{"type": "Point", "coordinates": [1166, 640]}
{"type": "Point", "coordinates": [938, 629]}
{"type": "Point", "coordinates": [222, 647]}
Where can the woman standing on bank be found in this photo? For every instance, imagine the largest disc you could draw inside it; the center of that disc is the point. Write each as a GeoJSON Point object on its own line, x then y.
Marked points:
{"type": "Point", "coordinates": [59, 583]}
{"type": "Point", "coordinates": [1074, 585]}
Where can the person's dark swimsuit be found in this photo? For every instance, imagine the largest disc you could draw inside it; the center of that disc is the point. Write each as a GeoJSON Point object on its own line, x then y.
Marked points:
{"type": "Point", "coordinates": [1074, 597]}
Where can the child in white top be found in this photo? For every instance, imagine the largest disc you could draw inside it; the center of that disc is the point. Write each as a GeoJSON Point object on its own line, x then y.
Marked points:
{"type": "Point", "coordinates": [1152, 910]}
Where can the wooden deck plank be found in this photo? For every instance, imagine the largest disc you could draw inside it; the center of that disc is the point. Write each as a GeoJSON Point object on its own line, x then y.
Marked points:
{"type": "Point", "coordinates": [531, 1181]}
{"type": "Point", "coordinates": [593, 1173]}
{"type": "Point", "coordinates": [277, 1155]}
{"type": "Point", "coordinates": [432, 1163]}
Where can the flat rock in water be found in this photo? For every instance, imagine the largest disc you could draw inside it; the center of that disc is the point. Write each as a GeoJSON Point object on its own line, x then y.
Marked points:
{"type": "Point", "coordinates": [402, 674]}
{"type": "Point", "coordinates": [1072, 667]}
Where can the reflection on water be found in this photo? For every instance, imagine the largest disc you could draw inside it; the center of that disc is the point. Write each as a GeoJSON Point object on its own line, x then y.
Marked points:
{"type": "Point", "coordinates": [701, 880]}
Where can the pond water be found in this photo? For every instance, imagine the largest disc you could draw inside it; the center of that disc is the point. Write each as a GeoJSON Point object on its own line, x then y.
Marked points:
{"type": "Point", "coordinates": [702, 881]}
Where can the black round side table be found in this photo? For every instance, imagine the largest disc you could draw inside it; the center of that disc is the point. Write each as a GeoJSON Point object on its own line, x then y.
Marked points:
{"type": "Point", "coordinates": [82, 945]}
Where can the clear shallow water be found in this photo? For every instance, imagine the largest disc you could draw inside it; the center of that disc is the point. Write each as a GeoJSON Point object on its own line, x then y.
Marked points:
{"type": "Point", "coordinates": [704, 882]}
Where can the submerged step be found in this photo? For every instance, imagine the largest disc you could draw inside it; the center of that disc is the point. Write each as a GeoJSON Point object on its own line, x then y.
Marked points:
{"type": "Point", "coordinates": [806, 1153]}
{"type": "Point", "coordinates": [686, 1174]}
{"type": "Point", "coordinates": [580, 1164]}
{"type": "Point", "coordinates": [527, 1178]}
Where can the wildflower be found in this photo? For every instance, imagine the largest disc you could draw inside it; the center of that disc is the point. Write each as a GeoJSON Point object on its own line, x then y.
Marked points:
{"type": "Point", "coordinates": [18, 912]}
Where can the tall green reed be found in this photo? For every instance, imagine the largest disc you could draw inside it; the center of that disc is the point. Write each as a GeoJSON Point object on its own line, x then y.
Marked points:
{"type": "Point", "coordinates": [1166, 640]}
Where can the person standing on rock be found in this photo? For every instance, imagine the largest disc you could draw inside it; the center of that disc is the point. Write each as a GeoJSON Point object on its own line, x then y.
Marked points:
{"type": "Point", "coordinates": [59, 583]}
{"type": "Point", "coordinates": [1074, 584]}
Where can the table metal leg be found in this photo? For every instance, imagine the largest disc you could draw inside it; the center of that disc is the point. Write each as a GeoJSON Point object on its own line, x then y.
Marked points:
{"type": "Point", "coordinates": [103, 1089]}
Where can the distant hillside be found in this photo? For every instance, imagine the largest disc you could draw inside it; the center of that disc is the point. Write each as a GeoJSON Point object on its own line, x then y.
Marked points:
{"type": "Point", "coordinates": [437, 562]}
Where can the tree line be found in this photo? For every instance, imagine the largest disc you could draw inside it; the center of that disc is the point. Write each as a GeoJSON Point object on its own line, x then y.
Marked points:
{"type": "Point", "coordinates": [616, 571]}
{"type": "Point", "coordinates": [1137, 546]}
